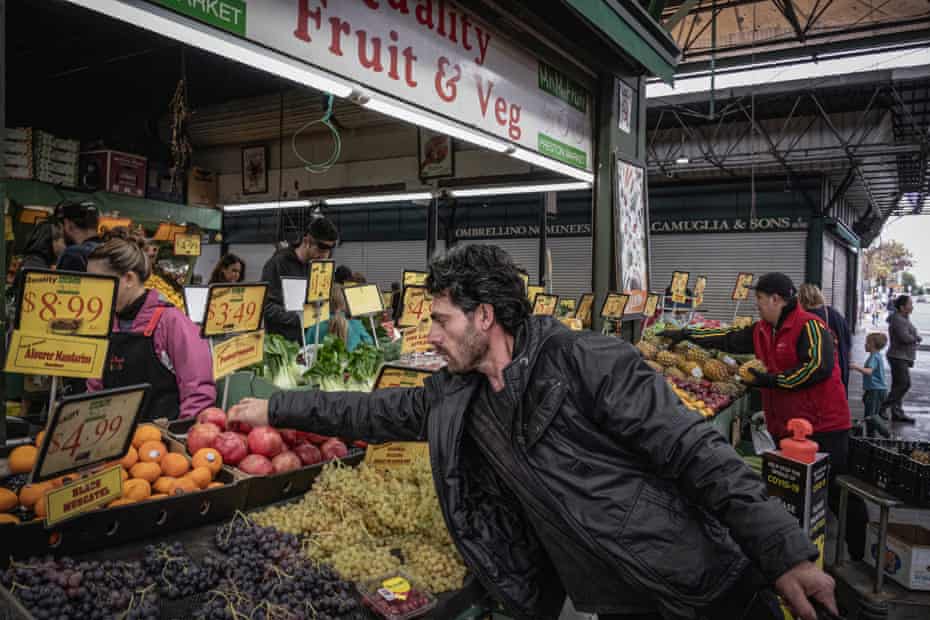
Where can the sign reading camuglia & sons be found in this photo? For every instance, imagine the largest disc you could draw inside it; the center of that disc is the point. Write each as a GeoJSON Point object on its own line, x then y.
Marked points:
{"type": "Point", "coordinates": [728, 224]}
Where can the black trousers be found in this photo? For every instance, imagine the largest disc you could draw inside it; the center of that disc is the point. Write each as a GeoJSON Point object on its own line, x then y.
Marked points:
{"type": "Point", "coordinates": [900, 383]}
{"type": "Point", "coordinates": [836, 444]}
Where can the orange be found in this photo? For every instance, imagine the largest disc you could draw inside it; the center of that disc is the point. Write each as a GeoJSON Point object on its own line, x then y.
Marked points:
{"type": "Point", "coordinates": [201, 476]}
{"type": "Point", "coordinates": [31, 493]}
{"type": "Point", "coordinates": [145, 432]}
{"type": "Point", "coordinates": [39, 437]}
{"type": "Point", "coordinates": [124, 475]}
{"type": "Point", "coordinates": [159, 496]}
{"type": "Point", "coordinates": [184, 485]}
{"type": "Point", "coordinates": [123, 501]}
{"type": "Point", "coordinates": [164, 484]}
{"type": "Point", "coordinates": [152, 452]}
{"type": "Point", "coordinates": [137, 489]}
{"type": "Point", "coordinates": [174, 464]}
{"type": "Point", "coordinates": [210, 458]}
{"type": "Point", "coordinates": [214, 485]}
{"type": "Point", "coordinates": [5, 518]}
{"type": "Point", "coordinates": [146, 471]}
{"type": "Point", "coordinates": [130, 458]}
{"type": "Point", "coordinates": [23, 459]}
{"type": "Point", "coordinates": [41, 508]}
{"type": "Point", "coordinates": [8, 500]}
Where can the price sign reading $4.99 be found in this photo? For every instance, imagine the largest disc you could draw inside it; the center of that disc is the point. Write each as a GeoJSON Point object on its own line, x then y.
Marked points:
{"type": "Point", "coordinates": [65, 303]}
{"type": "Point", "coordinates": [234, 308]}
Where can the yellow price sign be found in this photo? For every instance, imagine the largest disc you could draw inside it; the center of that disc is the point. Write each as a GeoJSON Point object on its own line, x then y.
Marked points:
{"type": "Point", "coordinates": [397, 377]}
{"type": "Point", "coordinates": [415, 278]}
{"type": "Point", "coordinates": [234, 309]}
{"type": "Point", "coordinates": [186, 245]}
{"type": "Point", "coordinates": [320, 283]}
{"type": "Point", "coordinates": [396, 454]}
{"type": "Point", "coordinates": [363, 300]}
{"type": "Point", "coordinates": [679, 286]}
{"type": "Point", "coordinates": [83, 495]}
{"type": "Point", "coordinates": [652, 302]}
{"type": "Point", "coordinates": [314, 314]}
{"type": "Point", "coordinates": [572, 324]}
{"type": "Point", "coordinates": [545, 305]}
{"type": "Point", "coordinates": [387, 299]}
{"type": "Point", "coordinates": [614, 306]}
{"type": "Point", "coordinates": [699, 285]}
{"type": "Point", "coordinates": [417, 306]}
{"type": "Point", "coordinates": [532, 291]}
{"type": "Point", "coordinates": [583, 311]}
{"type": "Point", "coordinates": [167, 232]}
{"type": "Point", "coordinates": [58, 356]}
{"type": "Point", "coordinates": [238, 352]}
{"type": "Point", "coordinates": [107, 223]}
{"type": "Point", "coordinates": [416, 339]}
{"type": "Point", "coordinates": [742, 321]}
{"type": "Point", "coordinates": [743, 282]}
{"type": "Point", "coordinates": [66, 303]}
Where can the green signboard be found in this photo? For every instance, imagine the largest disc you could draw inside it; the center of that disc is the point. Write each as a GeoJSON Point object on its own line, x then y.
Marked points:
{"type": "Point", "coordinates": [557, 84]}
{"type": "Point", "coordinates": [228, 15]}
{"type": "Point", "coordinates": [562, 152]}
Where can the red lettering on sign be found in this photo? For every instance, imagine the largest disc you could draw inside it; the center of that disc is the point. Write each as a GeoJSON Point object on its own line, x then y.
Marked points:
{"type": "Point", "coordinates": [447, 90]}
{"type": "Point", "coordinates": [373, 63]}
{"type": "Point", "coordinates": [483, 99]}
{"type": "Point", "coordinates": [338, 28]}
{"type": "Point", "coordinates": [304, 16]}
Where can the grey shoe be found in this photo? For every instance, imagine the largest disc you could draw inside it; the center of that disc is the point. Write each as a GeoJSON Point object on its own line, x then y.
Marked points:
{"type": "Point", "coordinates": [900, 417]}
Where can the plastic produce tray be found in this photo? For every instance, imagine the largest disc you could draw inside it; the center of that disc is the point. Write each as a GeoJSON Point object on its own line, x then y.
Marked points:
{"type": "Point", "coordinates": [887, 464]}
{"type": "Point", "coordinates": [265, 490]}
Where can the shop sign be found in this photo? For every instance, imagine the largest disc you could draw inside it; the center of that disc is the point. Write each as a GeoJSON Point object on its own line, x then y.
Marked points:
{"type": "Point", "coordinates": [429, 53]}
{"type": "Point", "coordinates": [416, 339]}
{"type": "Point", "coordinates": [417, 306]}
{"type": "Point", "coordinates": [724, 225]}
{"type": "Point", "coordinates": [396, 454]}
{"type": "Point", "coordinates": [234, 309]}
{"type": "Point", "coordinates": [363, 300]}
{"type": "Point", "coordinates": [395, 377]}
{"type": "Point", "coordinates": [65, 303]}
{"type": "Point", "coordinates": [614, 306]}
{"type": "Point", "coordinates": [83, 495]}
{"type": "Point", "coordinates": [517, 231]}
{"type": "Point", "coordinates": [56, 356]}
{"type": "Point", "coordinates": [321, 281]}
{"type": "Point", "coordinates": [238, 352]}
{"type": "Point", "coordinates": [545, 305]}
{"type": "Point", "coordinates": [187, 245]}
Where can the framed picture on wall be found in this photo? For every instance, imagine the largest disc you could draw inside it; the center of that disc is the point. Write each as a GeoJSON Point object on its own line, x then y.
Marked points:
{"type": "Point", "coordinates": [255, 169]}
{"type": "Point", "coordinates": [630, 228]}
{"type": "Point", "coordinates": [625, 102]}
{"type": "Point", "coordinates": [436, 155]}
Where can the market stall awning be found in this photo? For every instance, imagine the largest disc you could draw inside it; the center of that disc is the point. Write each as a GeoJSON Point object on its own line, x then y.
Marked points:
{"type": "Point", "coordinates": [625, 24]}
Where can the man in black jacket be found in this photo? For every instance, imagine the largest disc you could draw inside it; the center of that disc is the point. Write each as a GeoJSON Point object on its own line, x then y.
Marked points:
{"type": "Point", "coordinates": [79, 222]}
{"type": "Point", "coordinates": [317, 244]}
{"type": "Point", "coordinates": [564, 464]}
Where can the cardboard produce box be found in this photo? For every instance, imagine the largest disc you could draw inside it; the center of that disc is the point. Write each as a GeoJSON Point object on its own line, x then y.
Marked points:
{"type": "Point", "coordinates": [158, 185]}
{"type": "Point", "coordinates": [112, 171]}
{"type": "Point", "coordinates": [907, 554]}
{"type": "Point", "coordinates": [202, 187]}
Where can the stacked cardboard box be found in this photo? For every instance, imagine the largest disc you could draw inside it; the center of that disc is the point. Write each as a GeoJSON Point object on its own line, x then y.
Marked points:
{"type": "Point", "coordinates": [17, 153]}
{"type": "Point", "coordinates": [34, 154]}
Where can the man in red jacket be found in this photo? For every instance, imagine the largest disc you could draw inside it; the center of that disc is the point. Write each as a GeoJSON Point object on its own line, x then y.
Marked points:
{"type": "Point", "coordinates": [802, 379]}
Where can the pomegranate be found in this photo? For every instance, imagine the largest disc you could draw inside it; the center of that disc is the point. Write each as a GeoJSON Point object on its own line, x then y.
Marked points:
{"type": "Point", "coordinates": [333, 449]}
{"type": "Point", "coordinates": [239, 427]}
{"type": "Point", "coordinates": [266, 441]}
{"type": "Point", "coordinates": [308, 453]}
{"type": "Point", "coordinates": [286, 461]}
{"type": "Point", "coordinates": [231, 446]}
{"type": "Point", "coordinates": [202, 436]}
{"type": "Point", "coordinates": [289, 436]}
{"type": "Point", "coordinates": [213, 415]}
{"type": "Point", "coordinates": [257, 465]}
{"type": "Point", "coordinates": [312, 437]}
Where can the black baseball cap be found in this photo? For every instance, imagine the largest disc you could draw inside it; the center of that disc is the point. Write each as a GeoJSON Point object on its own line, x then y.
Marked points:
{"type": "Point", "coordinates": [776, 283]}
{"type": "Point", "coordinates": [76, 210]}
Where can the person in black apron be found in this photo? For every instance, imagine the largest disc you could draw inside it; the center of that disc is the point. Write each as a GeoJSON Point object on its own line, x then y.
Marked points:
{"type": "Point", "coordinates": [145, 330]}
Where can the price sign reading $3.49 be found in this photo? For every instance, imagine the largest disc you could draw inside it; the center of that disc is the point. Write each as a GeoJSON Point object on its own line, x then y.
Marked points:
{"type": "Point", "coordinates": [65, 303]}
{"type": "Point", "coordinates": [234, 308]}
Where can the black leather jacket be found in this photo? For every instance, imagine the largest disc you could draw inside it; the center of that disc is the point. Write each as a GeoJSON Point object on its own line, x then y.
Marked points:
{"type": "Point", "coordinates": [645, 484]}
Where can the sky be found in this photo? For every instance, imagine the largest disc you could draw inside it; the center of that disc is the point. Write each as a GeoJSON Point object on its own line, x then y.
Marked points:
{"type": "Point", "coordinates": [913, 231]}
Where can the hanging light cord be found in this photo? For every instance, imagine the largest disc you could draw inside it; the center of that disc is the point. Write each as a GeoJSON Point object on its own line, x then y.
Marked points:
{"type": "Point", "coordinates": [325, 121]}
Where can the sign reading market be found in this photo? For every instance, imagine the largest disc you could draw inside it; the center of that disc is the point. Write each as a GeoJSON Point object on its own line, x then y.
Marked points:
{"type": "Point", "coordinates": [725, 225]}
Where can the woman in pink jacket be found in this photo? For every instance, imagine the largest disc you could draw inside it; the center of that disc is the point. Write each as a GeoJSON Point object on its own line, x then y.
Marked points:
{"type": "Point", "coordinates": [152, 341]}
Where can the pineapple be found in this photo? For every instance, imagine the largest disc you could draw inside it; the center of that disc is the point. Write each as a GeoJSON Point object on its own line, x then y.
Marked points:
{"type": "Point", "coordinates": [667, 358]}
{"type": "Point", "coordinates": [672, 371]}
{"type": "Point", "coordinates": [697, 354]}
{"type": "Point", "coordinates": [683, 347]}
{"type": "Point", "coordinates": [715, 370]}
{"type": "Point", "coordinates": [691, 369]}
{"type": "Point", "coordinates": [647, 350]}
{"type": "Point", "coordinates": [747, 376]}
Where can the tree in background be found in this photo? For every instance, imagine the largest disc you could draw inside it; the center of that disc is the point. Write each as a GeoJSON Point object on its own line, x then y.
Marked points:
{"type": "Point", "coordinates": [908, 280]}
{"type": "Point", "coordinates": [884, 261]}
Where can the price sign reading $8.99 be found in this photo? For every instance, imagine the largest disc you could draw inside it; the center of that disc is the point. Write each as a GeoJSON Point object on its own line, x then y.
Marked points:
{"type": "Point", "coordinates": [234, 308]}
{"type": "Point", "coordinates": [88, 429]}
{"type": "Point", "coordinates": [66, 303]}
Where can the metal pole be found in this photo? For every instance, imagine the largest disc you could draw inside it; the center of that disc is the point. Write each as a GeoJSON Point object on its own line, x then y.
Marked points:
{"type": "Point", "coordinates": [543, 240]}
{"type": "Point", "coordinates": [226, 391]}
{"type": "Point", "coordinates": [374, 330]}
{"type": "Point", "coordinates": [52, 395]}
{"type": "Point", "coordinates": [841, 534]}
{"type": "Point", "coordinates": [319, 316]}
{"type": "Point", "coordinates": [736, 312]}
{"type": "Point", "coordinates": [432, 228]}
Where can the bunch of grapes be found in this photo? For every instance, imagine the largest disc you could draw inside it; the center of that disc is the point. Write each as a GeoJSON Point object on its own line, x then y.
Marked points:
{"type": "Point", "coordinates": [83, 590]}
{"type": "Point", "coordinates": [177, 574]}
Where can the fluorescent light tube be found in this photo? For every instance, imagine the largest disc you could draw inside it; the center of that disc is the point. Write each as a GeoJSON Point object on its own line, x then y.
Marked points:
{"type": "Point", "coordinates": [406, 113]}
{"type": "Point", "coordinates": [376, 198]}
{"type": "Point", "coordinates": [531, 157]}
{"type": "Point", "coordinates": [519, 189]}
{"type": "Point", "coordinates": [682, 160]}
{"type": "Point", "coordinates": [169, 24]}
{"type": "Point", "coordinates": [260, 206]}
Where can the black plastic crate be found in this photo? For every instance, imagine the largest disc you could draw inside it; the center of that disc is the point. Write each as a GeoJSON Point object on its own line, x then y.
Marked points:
{"type": "Point", "coordinates": [885, 462]}
{"type": "Point", "coordinates": [860, 457]}
{"type": "Point", "coordinates": [892, 468]}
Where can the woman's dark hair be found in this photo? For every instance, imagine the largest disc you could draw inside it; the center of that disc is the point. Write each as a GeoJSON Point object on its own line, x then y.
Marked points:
{"type": "Point", "coordinates": [481, 274]}
{"type": "Point", "coordinates": [901, 301]}
{"type": "Point", "coordinates": [41, 238]}
{"type": "Point", "coordinates": [224, 263]}
{"type": "Point", "coordinates": [342, 274]}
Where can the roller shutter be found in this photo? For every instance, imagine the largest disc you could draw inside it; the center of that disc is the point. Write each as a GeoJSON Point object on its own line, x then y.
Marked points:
{"type": "Point", "coordinates": [525, 253]}
{"type": "Point", "coordinates": [840, 279]}
{"type": "Point", "coordinates": [571, 266]}
{"type": "Point", "coordinates": [721, 257]}
{"type": "Point", "coordinates": [382, 262]}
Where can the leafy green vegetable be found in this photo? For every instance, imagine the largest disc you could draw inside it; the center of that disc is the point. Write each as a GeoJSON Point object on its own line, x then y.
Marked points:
{"type": "Point", "coordinates": [335, 369]}
{"type": "Point", "coordinates": [279, 364]}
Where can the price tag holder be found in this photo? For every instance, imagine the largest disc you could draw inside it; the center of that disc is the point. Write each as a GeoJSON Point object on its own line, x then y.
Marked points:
{"type": "Point", "coordinates": [741, 289]}
{"type": "Point", "coordinates": [699, 285]}
{"type": "Point", "coordinates": [415, 278]}
{"type": "Point", "coordinates": [583, 309]}
{"type": "Point", "coordinates": [545, 305]}
{"type": "Point", "coordinates": [234, 309]}
{"type": "Point", "coordinates": [637, 302]}
{"type": "Point", "coordinates": [66, 303]}
{"type": "Point", "coordinates": [399, 377]}
{"type": "Point", "coordinates": [237, 352]}
{"type": "Point", "coordinates": [363, 300]}
{"type": "Point", "coordinates": [186, 244]}
{"type": "Point", "coordinates": [167, 232]}
{"type": "Point", "coordinates": [532, 291]}
{"type": "Point", "coordinates": [320, 281]}
{"type": "Point", "coordinates": [89, 429]}
{"type": "Point", "coordinates": [387, 298]}
{"type": "Point", "coordinates": [314, 314]}
{"type": "Point", "coordinates": [416, 339]}
{"type": "Point", "coordinates": [573, 324]}
{"type": "Point", "coordinates": [742, 321]}
{"type": "Point", "coordinates": [57, 356]}
{"type": "Point", "coordinates": [195, 302]}
{"type": "Point", "coordinates": [396, 454]}
{"type": "Point", "coordinates": [652, 303]}
{"type": "Point", "coordinates": [106, 223]}
{"type": "Point", "coordinates": [679, 286]}
{"type": "Point", "coordinates": [294, 290]}
{"type": "Point", "coordinates": [614, 306]}
{"type": "Point", "coordinates": [417, 306]}
{"type": "Point", "coordinates": [83, 495]}
{"type": "Point", "coordinates": [567, 307]}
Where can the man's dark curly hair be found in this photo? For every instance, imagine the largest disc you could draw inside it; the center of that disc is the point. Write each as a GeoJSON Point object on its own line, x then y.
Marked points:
{"type": "Point", "coordinates": [481, 274]}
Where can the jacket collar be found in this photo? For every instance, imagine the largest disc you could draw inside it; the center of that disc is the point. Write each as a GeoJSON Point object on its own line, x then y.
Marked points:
{"type": "Point", "coordinates": [528, 344]}
{"type": "Point", "coordinates": [789, 311]}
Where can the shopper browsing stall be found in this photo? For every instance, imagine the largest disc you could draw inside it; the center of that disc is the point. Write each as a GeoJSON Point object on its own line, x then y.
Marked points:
{"type": "Point", "coordinates": [564, 464]}
{"type": "Point", "coordinates": [811, 299]}
{"type": "Point", "coordinates": [79, 221]}
{"type": "Point", "coordinates": [229, 270]}
{"type": "Point", "coordinates": [152, 341]}
{"type": "Point", "coordinates": [351, 331]}
{"type": "Point", "coordinates": [317, 243]}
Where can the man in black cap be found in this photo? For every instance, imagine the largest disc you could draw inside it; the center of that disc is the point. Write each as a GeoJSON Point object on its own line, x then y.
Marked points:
{"type": "Point", "coordinates": [802, 378]}
{"type": "Point", "coordinates": [317, 243]}
{"type": "Point", "coordinates": [79, 220]}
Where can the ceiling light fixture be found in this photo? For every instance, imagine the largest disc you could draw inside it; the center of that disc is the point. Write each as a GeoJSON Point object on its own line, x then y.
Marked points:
{"type": "Point", "coordinates": [376, 198]}
{"type": "Point", "coordinates": [519, 189]}
{"type": "Point", "coordinates": [682, 160]}
{"type": "Point", "coordinates": [262, 206]}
